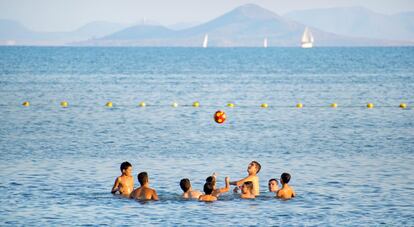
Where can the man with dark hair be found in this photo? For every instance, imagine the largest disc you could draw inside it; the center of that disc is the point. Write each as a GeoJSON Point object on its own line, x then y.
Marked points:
{"type": "Point", "coordinates": [207, 197]}
{"type": "Point", "coordinates": [247, 190]}
{"type": "Point", "coordinates": [144, 192]}
{"type": "Point", "coordinates": [124, 184]}
{"type": "Point", "coordinates": [189, 193]}
{"type": "Point", "coordinates": [252, 169]}
{"type": "Point", "coordinates": [286, 192]}
{"type": "Point", "coordinates": [273, 185]}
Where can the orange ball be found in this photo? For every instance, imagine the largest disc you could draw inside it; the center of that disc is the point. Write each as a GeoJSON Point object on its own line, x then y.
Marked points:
{"type": "Point", "coordinates": [220, 117]}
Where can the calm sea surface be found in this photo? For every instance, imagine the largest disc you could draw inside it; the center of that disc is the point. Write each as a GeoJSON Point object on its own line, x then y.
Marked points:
{"type": "Point", "coordinates": [350, 165]}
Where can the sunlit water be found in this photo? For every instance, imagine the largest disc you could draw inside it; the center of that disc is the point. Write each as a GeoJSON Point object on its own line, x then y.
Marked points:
{"type": "Point", "coordinates": [350, 165]}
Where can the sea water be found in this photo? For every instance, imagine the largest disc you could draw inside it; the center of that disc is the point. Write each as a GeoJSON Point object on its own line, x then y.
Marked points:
{"type": "Point", "coordinates": [350, 165]}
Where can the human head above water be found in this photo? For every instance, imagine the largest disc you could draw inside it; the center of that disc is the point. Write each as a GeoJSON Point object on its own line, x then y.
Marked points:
{"type": "Point", "coordinates": [247, 187]}
{"type": "Point", "coordinates": [185, 184]}
{"type": "Point", "coordinates": [254, 167]}
{"type": "Point", "coordinates": [143, 178]}
{"type": "Point", "coordinates": [211, 179]}
{"type": "Point", "coordinates": [273, 185]}
{"type": "Point", "coordinates": [285, 178]}
{"type": "Point", "coordinates": [125, 166]}
{"type": "Point", "coordinates": [208, 188]}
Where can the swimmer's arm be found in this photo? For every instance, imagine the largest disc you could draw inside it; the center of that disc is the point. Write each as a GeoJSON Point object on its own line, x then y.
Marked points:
{"type": "Point", "coordinates": [227, 188]}
{"type": "Point", "coordinates": [240, 182]}
{"type": "Point", "coordinates": [115, 188]}
{"type": "Point", "coordinates": [154, 195]}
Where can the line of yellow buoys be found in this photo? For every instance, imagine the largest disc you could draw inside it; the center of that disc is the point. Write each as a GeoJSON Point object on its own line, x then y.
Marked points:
{"type": "Point", "coordinates": [65, 104]}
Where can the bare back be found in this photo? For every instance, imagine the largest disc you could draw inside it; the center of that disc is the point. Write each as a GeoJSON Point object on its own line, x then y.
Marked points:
{"type": "Point", "coordinates": [144, 193]}
{"type": "Point", "coordinates": [286, 192]}
{"type": "Point", "coordinates": [191, 195]}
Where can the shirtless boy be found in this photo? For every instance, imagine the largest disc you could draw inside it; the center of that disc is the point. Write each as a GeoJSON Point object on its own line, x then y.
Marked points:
{"type": "Point", "coordinates": [207, 197]}
{"type": "Point", "coordinates": [247, 190]}
{"type": "Point", "coordinates": [144, 192]}
{"type": "Point", "coordinates": [189, 193]}
{"type": "Point", "coordinates": [217, 191]}
{"type": "Point", "coordinates": [253, 169]}
{"type": "Point", "coordinates": [286, 192]}
{"type": "Point", "coordinates": [124, 184]}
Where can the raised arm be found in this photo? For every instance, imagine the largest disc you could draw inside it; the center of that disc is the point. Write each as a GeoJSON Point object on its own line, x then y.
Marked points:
{"type": "Point", "coordinates": [240, 182]}
{"type": "Point", "coordinates": [115, 188]}
{"type": "Point", "coordinates": [227, 187]}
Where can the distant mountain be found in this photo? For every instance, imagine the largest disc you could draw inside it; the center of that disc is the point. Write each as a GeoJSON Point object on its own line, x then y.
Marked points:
{"type": "Point", "coordinates": [246, 25]}
{"type": "Point", "coordinates": [358, 22]}
{"type": "Point", "coordinates": [12, 32]}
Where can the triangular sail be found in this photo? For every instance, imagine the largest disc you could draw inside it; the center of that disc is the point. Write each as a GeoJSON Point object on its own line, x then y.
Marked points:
{"type": "Point", "coordinates": [205, 43]}
{"type": "Point", "coordinates": [307, 38]}
{"type": "Point", "coordinates": [265, 43]}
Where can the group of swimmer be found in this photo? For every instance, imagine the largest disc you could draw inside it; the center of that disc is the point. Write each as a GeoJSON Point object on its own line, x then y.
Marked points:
{"type": "Point", "coordinates": [248, 186]}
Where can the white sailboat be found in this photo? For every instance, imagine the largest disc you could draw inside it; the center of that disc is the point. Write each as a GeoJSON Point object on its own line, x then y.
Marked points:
{"type": "Point", "coordinates": [265, 43]}
{"type": "Point", "coordinates": [307, 39]}
{"type": "Point", "coordinates": [205, 43]}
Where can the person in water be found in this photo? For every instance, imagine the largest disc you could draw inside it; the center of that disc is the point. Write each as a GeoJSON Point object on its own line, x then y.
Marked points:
{"type": "Point", "coordinates": [144, 192]}
{"type": "Point", "coordinates": [286, 192]}
{"type": "Point", "coordinates": [124, 184]}
{"type": "Point", "coordinates": [189, 193]}
{"type": "Point", "coordinates": [208, 189]}
{"type": "Point", "coordinates": [252, 169]}
{"type": "Point", "coordinates": [217, 191]}
{"type": "Point", "coordinates": [273, 185]}
{"type": "Point", "coordinates": [247, 190]}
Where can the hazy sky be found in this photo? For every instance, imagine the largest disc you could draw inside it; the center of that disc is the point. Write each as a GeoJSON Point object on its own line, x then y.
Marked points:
{"type": "Point", "coordinates": [64, 15]}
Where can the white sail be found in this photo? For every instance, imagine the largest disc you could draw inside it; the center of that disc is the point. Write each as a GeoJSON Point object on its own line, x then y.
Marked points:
{"type": "Point", "coordinates": [307, 39]}
{"type": "Point", "coordinates": [205, 43]}
{"type": "Point", "coordinates": [265, 43]}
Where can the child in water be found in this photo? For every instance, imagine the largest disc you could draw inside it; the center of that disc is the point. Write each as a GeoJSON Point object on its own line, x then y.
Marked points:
{"type": "Point", "coordinates": [207, 197]}
{"type": "Point", "coordinates": [189, 193]}
{"type": "Point", "coordinates": [217, 191]}
{"type": "Point", "coordinates": [273, 185]}
{"type": "Point", "coordinates": [286, 192]}
{"type": "Point", "coordinates": [253, 169]}
{"type": "Point", "coordinates": [247, 190]}
{"type": "Point", "coordinates": [144, 192]}
{"type": "Point", "coordinates": [124, 184]}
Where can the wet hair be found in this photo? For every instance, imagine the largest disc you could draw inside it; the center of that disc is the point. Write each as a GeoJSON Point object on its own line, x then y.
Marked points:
{"type": "Point", "coordinates": [258, 166]}
{"type": "Point", "coordinates": [125, 166]}
{"type": "Point", "coordinates": [211, 179]}
{"type": "Point", "coordinates": [249, 185]}
{"type": "Point", "coordinates": [208, 188]}
{"type": "Point", "coordinates": [273, 179]}
{"type": "Point", "coordinates": [185, 184]}
{"type": "Point", "coordinates": [143, 178]}
{"type": "Point", "coordinates": [285, 177]}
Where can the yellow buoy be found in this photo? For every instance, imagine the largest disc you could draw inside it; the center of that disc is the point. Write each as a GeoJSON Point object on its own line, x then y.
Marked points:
{"type": "Point", "coordinates": [231, 105]}
{"type": "Point", "coordinates": [142, 104]}
{"type": "Point", "coordinates": [196, 104]}
{"type": "Point", "coordinates": [64, 104]}
{"type": "Point", "coordinates": [403, 105]}
{"type": "Point", "coordinates": [108, 104]}
{"type": "Point", "coordinates": [334, 105]}
{"type": "Point", "coordinates": [370, 105]}
{"type": "Point", "coordinates": [27, 104]}
{"type": "Point", "coordinates": [264, 105]}
{"type": "Point", "coordinates": [175, 105]}
{"type": "Point", "coordinates": [299, 105]}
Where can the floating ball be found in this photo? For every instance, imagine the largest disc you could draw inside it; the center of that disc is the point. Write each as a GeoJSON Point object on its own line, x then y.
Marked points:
{"type": "Point", "coordinates": [196, 104]}
{"type": "Point", "coordinates": [142, 104]}
{"type": "Point", "coordinates": [231, 105]}
{"type": "Point", "coordinates": [403, 105]}
{"type": "Point", "coordinates": [26, 104]}
{"type": "Point", "coordinates": [64, 104]}
{"type": "Point", "coordinates": [264, 105]}
{"type": "Point", "coordinates": [370, 105]}
{"type": "Point", "coordinates": [175, 105]}
{"type": "Point", "coordinates": [299, 105]}
{"type": "Point", "coordinates": [108, 104]}
{"type": "Point", "coordinates": [220, 117]}
{"type": "Point", "coordinates": [334, 105]}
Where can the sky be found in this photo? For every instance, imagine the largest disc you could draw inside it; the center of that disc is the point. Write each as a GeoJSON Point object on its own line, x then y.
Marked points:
{"type": "Point", "coordinates": [67, 15]}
